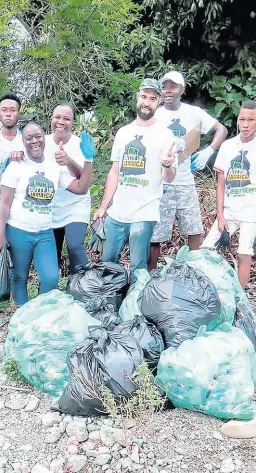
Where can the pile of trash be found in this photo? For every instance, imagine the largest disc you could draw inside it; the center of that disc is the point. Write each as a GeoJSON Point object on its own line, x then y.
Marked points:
{"type": "Point", "coordinates": [178, 320]}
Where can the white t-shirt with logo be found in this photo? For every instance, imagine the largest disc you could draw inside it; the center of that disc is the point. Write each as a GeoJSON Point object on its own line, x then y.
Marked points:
{"type": "Point", "coordinates": [8, 146]}
{"type": "Point", "coordinates": [68, 207]}
{"type": "Point", "coordinates": [181, 122]}
{"type": "Point", "coordinates": [35, 186]}
{"type": "Point", "coordinates": [237, 161]}
{"type": "Point", "coordinates": [139, 151]}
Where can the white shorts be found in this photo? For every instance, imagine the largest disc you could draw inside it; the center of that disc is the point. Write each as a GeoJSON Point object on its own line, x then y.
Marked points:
{"type": "Point", "coordinates": [247, 235]}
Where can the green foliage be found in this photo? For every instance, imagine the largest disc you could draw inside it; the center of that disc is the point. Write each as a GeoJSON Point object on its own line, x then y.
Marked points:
{"type": "Point", "coordinates": [96, 196]}
{"type": "Point", "coordinates": [109, 402]}
{"type": "Point", "coordinates": [211, 42]}
{"type": "Point", "coordinates": [11, 369]}
{"type": "Point", "coordinates": [101, 166]}
{"type": "Point", "coordinates": [230, 93]}
{"type": "Point", "coordinates": [147, 398]}
{"type": "Point", "coordinates": [95, 53]}
{"type": "Point", "coordinates": [72, 49]}
{"type": "Point", "coordinates": [4, 307]}
{"type": "Point", "coordinates": [144, 403]}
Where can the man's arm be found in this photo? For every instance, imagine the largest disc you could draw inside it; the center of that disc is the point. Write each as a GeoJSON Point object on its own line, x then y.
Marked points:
{"type": "Point", "coordinates": [169, 162]}
{"type": "Point", "coordinates": [110, 189]}
{"type": "Point", "coordinates": [7, 194]}
{"type": "Point", "coordinates": [168, 174]}
{"type": "Point", "coordinates": [220, 134]}
{"type": "Point", "coordinates": [201, 158]}
{"type": "Point", "coordinates": [220, 195]}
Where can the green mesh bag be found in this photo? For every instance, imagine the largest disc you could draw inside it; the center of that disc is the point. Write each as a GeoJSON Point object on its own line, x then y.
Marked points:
{"type": "Point", "coordinates": [214, 373]}
{"type": "Point", "coordinates": [40, 336]}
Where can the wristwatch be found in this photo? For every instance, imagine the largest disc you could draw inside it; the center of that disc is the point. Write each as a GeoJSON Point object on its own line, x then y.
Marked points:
{"type": "Point", "coordinates": [167, 167]}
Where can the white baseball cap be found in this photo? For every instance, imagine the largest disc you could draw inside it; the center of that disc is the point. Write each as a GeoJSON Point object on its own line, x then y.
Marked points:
{"type": "Point", "coordinates": [174, 76]}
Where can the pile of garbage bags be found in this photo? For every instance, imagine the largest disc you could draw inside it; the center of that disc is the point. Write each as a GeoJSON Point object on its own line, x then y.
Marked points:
{"type": "Point", "coordinates": [71, 345]}
{"type": "Point", "coordinates": [214, 373]}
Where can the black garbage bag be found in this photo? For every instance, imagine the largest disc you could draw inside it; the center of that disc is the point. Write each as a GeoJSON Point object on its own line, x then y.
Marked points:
{"type": "Point", "coordinates": [99, 308]}
{"type": "Point", "coordinates": [146, 335]}
{"type": "Point", "coordinates": [178, 302]}
{"type": "Point", "coordinates": [106, 280]}
{"type": "Point", "coordinates": [106, 358]}
{"type": "Point", "coordinates": [246, 321]}
{"type": "Point", "coordinates": [5, 264]}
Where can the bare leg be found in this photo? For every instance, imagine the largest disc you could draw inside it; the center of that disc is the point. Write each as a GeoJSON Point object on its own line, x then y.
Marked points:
{"type": "Point", "coordinates": [154, 255]}
{"type": "Point", "coordinates": [194, 242]}
{"type": "Point", "coordinates": [244, 269]}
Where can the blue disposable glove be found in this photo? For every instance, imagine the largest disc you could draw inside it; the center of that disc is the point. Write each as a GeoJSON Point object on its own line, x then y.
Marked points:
{"type": "Point", "coordinates": [200, 159]}
{"type": "Point", "coordinates": [87, 146]}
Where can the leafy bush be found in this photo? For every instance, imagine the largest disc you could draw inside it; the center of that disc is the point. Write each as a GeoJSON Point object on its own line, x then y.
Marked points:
{"type": "Point", "coordinates": [230, 92]}
{"type": "Point", "coordinates": [144, 403]}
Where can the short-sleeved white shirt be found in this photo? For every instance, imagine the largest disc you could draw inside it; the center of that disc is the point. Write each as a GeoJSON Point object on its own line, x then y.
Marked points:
{"type": "Point", "coordinates": [139, 151]}
{"type": "Point", "coordinates": [68, 207]}
{"type": "Point", "coordinates": [237, 161]}
{"type": "Point", "coordinates": [8, 146]}
{"type": "Point", "coordinates": [35, 186]}
{"type": "Point", "coordinates": [181, 122]}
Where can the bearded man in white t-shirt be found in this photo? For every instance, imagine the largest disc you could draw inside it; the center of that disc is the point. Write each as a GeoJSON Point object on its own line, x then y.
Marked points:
{"type": "Point", "coordinates": [180, 197]}
{"type": "Point", "coordinates": [143, 154]}
{"type": "Point", "coordinates": [10, 137]}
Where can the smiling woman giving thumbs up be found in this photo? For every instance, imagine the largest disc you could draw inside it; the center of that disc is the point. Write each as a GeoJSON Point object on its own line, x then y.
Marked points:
{"type": "Point", "coordinates": [71, 213]}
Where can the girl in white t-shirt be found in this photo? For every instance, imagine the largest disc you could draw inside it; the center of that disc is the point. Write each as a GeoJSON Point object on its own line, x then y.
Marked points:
{"type": "Point", "coordinates": [71, 213]}
{"type": "Point", "coordinates": [27, 192]}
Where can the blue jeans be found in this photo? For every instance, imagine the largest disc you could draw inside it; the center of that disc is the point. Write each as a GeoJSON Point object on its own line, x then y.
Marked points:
{"type": "Point", "coordinates": [118, 234]}
{"type": "Point", "coordinates": [75, 234]}
{"type": "Point", "coordinates": [26, 247]}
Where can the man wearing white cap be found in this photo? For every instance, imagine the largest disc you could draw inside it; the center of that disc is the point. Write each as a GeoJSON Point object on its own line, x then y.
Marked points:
{"type": "Point", "coordinates": [180, 197]}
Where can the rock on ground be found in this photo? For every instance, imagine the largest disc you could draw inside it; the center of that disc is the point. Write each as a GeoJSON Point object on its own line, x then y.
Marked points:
{"type": "Point", "coordinates": [39, 469]}
{"type": "Point", "coordinates": [240, 429]}
{"type": "Point", "coordinates": [76, 463]}
{"type": "Point", "coordinates": [33, 403]}
{"type": "Point", "coordinates": [78, 428]}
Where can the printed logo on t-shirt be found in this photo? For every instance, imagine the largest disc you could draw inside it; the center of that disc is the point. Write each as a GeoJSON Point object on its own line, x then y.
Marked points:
{"type": "Point", "coordinates": [133, 163]}
{"type": "Point", "coordinates": [177, 128]}
{"type": "Point", "coordinates": [39, 194]}
{"type": "Point", "coordinates": [238, 175]}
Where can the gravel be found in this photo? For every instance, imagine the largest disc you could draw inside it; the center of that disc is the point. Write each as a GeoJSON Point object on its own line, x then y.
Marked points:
{"type": "Point", "coordinates": [34, 439]}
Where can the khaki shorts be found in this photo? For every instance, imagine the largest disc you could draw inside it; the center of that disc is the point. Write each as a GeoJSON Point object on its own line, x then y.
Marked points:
{"type": "Point", "coordinates": [247, 234]}
{"type": "Point", "coordinates": [181, 202]}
